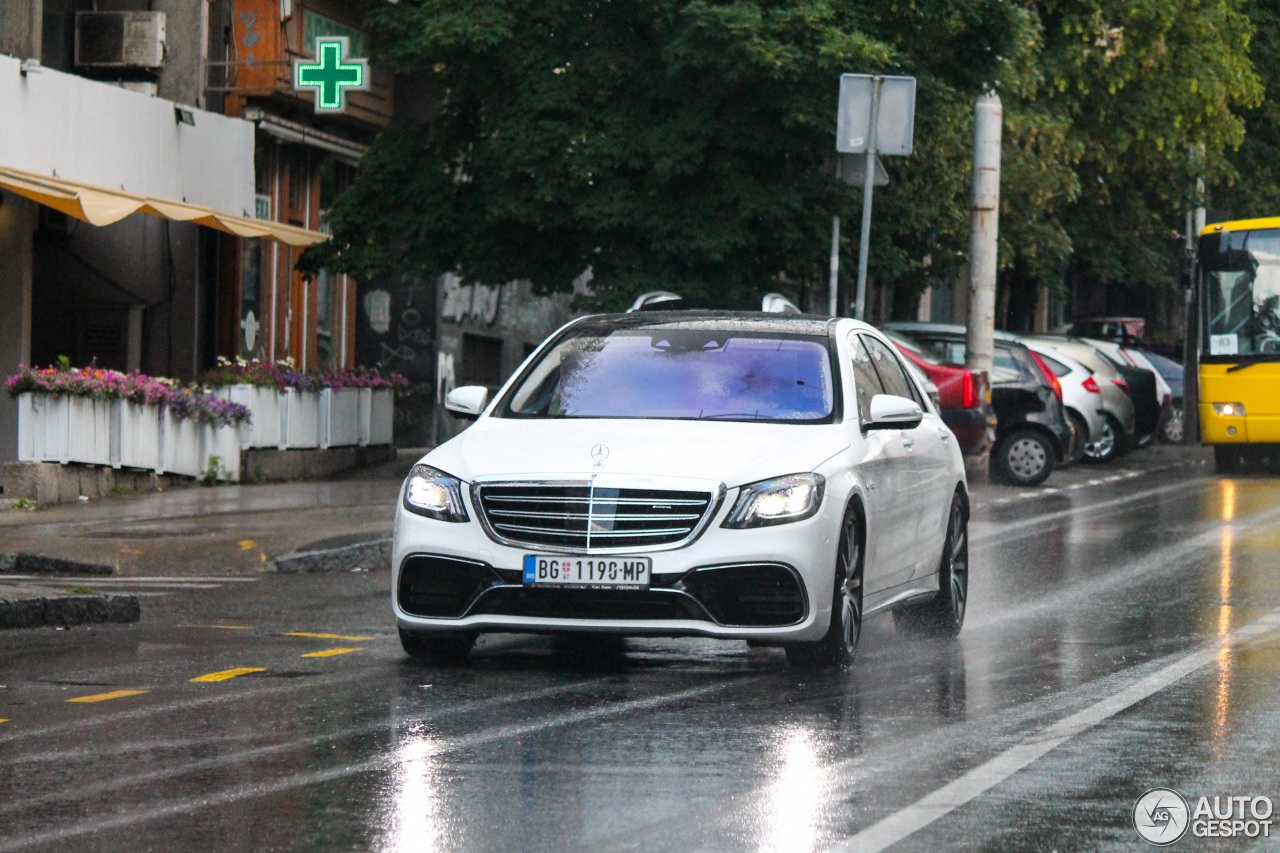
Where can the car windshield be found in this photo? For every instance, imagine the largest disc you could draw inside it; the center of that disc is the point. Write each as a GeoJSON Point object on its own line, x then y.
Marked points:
{"type": "Point", "coordinates": [698, 374]}
{"type": "Point", "coordinates": [1241, 291]}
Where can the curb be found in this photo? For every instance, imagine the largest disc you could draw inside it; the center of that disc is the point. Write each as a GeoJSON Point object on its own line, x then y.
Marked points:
{"type": "Point", "coordinates": [362, 556]}
{"type": "Point", "coordinates": [37, 564]}
{"type": "Point", "coordinates": [66, 610]}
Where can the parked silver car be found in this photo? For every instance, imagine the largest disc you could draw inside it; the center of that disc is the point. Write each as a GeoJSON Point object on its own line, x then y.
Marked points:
{"type": "Point", "coordinates": [1081, 396]}
{"type": "Point", "coordinates": [1119, 415]}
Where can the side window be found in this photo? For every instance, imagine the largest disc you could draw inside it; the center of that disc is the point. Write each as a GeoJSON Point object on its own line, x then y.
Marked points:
{"type": "Point", "coordinates": [890, 369]}
{"type": "Point", "coordinates": [864, 377]}
{"type": "Point", "coordinates": [1004, 367]}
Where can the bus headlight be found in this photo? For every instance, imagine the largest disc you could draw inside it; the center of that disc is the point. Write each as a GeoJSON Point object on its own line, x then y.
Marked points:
{"type": "Point", "coordinates": [1229, 410]}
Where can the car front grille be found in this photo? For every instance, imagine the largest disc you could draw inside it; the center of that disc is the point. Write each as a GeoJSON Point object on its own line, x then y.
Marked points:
{"type": "Point", "coordinates": [588, 516]}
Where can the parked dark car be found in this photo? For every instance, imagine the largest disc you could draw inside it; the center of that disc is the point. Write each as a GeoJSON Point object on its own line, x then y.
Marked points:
{"type": "Point", "coordinates": [1032, 431]}
{"type": "Point", "coordinates": [1171, 428]}
{"type": "Point", "coordinates": [964, 395]}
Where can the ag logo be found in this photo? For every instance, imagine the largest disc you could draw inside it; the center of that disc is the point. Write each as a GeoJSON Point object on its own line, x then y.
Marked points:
{"type": "Point", "coordinates": [599, 453]}
{"type": "Point", "coordinates": [1161, 816]}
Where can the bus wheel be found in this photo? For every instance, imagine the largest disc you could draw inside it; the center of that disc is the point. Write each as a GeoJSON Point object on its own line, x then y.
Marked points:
{"type": "Point", "coordinates": [1227, 459]}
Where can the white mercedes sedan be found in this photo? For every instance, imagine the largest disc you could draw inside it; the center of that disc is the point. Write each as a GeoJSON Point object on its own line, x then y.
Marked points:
{"type": "Point", "coordinates": [736, 475]}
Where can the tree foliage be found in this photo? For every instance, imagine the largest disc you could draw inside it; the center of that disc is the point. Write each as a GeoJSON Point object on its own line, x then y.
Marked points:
{"type": "Point", "coordinates": [688, 143]}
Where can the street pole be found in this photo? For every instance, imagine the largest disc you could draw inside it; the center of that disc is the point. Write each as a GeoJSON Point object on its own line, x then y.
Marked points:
{"type": "Point", "coordinates": [868, 182]}
{"type": "Point", "coordinates": [984, 233]}
{"type": "Point", "coordinates": [835, 263]}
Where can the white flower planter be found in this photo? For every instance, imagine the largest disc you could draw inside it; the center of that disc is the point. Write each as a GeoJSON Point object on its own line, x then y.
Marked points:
{"type": "Point", "coordinates": [224, 443]}
{"type": "Point", "coordinates": [135, 436]}
{"type": "Point", "coordinates": [301, 419]}
{"type": "Point", "coordinates": [340, 417]}
{"type": "Point", "coordinates": [266, 415]}
{"type": "Point", "coordinates": [44, 423]}
{"type": "Point", "coordinates": [89, 431]}
{"type": "Point", "coordinates": [181, 450]}
{"type": "Point", "coordinates": [376, 410]}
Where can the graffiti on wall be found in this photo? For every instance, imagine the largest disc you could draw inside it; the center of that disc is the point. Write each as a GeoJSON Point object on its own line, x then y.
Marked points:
{"type": "Point", "coordinates": [476, 302]}
{"type": "Point", "coordinates": [397, 333]}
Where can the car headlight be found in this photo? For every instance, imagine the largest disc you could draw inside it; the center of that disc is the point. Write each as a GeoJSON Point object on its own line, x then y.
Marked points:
{"type": "Point", "coordinates": [778, 501]}
{"type": "Point", "coordinates": [434, 494]}
{"type": "Point", "coordinates": [1229, 410]}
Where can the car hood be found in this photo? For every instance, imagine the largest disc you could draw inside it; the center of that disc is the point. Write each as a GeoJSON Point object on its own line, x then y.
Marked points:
{"type": "Point", "coordinates": [732, 453]}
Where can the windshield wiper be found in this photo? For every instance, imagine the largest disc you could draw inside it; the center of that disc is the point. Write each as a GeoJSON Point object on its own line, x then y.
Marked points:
{"type": "Point", "coordinates": [1257, 359]}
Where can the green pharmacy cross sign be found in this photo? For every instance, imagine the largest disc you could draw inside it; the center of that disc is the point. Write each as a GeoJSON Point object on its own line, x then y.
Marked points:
{"type": "Point", "coordinates": [330, 76]}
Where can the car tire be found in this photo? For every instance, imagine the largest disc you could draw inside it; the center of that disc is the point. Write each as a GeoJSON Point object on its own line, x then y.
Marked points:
{"type": "Point", "coordinates": [943, 615]}
{"type": "Point", "coordinates": [837, 646]}
{"type": "Point", "coordinates": [1079, 438]}
{"type": "Point", "coordinates": [1109, 446]}
{"type": "Point", "coordinates": [1173, 430]}
{"type": "Point", "coordinates": [1227, 459]}
{"type": "Point", "coordinates": [438, 649]}
{"type": "Point", "coordinates": [1023, 458]}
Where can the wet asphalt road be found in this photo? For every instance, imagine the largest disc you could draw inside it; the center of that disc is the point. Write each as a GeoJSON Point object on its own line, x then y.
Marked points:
{"type": "Point", "coordinates": [1121, 636]}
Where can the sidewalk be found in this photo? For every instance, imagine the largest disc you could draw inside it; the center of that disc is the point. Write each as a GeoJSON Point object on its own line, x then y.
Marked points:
{"type": "Point", "coordinates": [54, 563]}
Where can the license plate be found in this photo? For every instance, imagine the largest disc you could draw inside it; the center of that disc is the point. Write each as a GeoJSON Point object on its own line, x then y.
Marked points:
{"type": "Point", "coordinates": [589, 572]}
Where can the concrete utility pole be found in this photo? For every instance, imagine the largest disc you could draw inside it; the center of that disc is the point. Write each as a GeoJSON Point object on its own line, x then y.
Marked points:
{"type": "Point", "coordinates": [984, 233]}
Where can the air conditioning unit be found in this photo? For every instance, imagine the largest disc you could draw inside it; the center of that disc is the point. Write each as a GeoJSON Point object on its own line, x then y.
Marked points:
{"type": "Point", "coordinates": [120, 39]}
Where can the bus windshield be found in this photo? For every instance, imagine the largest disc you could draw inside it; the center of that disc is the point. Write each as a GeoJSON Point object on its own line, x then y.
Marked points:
{"type": "Point", "coordinates": [1240, 290]}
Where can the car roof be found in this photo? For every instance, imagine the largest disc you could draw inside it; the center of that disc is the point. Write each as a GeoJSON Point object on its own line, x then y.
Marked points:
{"type": "Point", "coordinates": [954, 329]}
{"type": "Point", "coordinates": [746, 321]}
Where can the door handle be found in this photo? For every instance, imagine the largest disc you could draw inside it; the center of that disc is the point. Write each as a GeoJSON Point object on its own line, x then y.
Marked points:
{"type": "Point", "coordinates": [944, 433]}
{"type": "Point", "coordinates": [908, 442]}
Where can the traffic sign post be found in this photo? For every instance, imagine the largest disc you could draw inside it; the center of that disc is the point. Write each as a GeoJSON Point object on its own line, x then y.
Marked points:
{"type": "Point", "coordinates": [332, 74]}
{"type": "Point", "coordinates": [876, 116]}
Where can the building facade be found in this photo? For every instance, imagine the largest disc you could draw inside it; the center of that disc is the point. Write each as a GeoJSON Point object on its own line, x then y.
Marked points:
{"type": "Point", "coordinates": [113, 109]}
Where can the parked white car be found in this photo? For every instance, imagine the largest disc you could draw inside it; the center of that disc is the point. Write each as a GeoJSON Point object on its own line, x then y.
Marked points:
{"type": "Point", "coordinates": [1081, 397]}
{"type": "Point", "coordinates": [735, 475]}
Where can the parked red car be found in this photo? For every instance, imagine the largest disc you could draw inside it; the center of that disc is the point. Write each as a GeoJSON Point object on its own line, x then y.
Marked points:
{"type": "Point", "coordinates": [964, 395]}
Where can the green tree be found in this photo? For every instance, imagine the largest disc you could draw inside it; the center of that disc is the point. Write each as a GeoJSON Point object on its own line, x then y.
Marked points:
{"type": "Point", "coordinates": [662, 143]}
{"type": "Point", "coordinates": [1135, 84]}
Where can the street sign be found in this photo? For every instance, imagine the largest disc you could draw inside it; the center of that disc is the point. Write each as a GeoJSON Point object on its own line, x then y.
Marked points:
{"type": "Point", "coordinates": [332, 74]}
{"type": "Point", "coordinates": [852, 168]}
{"type": "Point", "coordinates": [895, 129]}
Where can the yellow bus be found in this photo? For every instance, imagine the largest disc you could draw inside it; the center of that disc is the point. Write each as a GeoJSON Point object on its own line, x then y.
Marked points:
{"type": "Point", "coordinates": [1237, 351]}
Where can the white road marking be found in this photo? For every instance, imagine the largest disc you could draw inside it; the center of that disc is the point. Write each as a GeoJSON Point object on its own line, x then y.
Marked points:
{"type": "Point", "coordinates": [981, 779]}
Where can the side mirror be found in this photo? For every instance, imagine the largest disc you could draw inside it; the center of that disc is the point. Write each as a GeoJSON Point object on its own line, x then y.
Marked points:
{"type": "Point", "coordinates": [892, 412]}
{"type": "Point", "coordinates": [467, 402]}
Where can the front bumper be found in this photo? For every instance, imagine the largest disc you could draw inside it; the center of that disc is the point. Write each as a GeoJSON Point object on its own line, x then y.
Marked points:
{"type": "Point", "coordinates": [771, 584]}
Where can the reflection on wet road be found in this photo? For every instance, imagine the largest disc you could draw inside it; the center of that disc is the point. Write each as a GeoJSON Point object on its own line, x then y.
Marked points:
{"type": "Point", "coordinates": [1119, 639]}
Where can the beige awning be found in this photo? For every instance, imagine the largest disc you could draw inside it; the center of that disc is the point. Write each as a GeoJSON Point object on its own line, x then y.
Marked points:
{"type": "Point", "coordinates": [103, 206]}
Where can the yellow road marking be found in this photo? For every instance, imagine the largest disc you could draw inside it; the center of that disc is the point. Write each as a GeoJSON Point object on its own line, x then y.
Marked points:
{"type": "Point", "coordinates": [103, 697]}
{"type": "Point", "coordinates": [228, 673]}
{"type": "Point", "coordinates": [324, 636]}
{"type": "Point", "coordinates": [328, 653]}
{"type": "Point", "coordinates": [247, 544]}
{"type": "Point", "coordinates": [4, 721]}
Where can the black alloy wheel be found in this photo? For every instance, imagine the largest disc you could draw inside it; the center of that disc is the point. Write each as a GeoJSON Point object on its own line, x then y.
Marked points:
{"type": "Point", "coordinates": [1079, 437]}
{"type": "Point", "coordinates": [1173, 430]}
{"type": "Point", "coordinates": [438, 649]}
{"type": "Point", "coordinates": [1110, 445]}
{"type": "Point", "coordinates": [1022, 458]}
{"type": "Point", "coordinates": [837, 646]}
{"type": "Point", "coordinates": [943, 615]}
